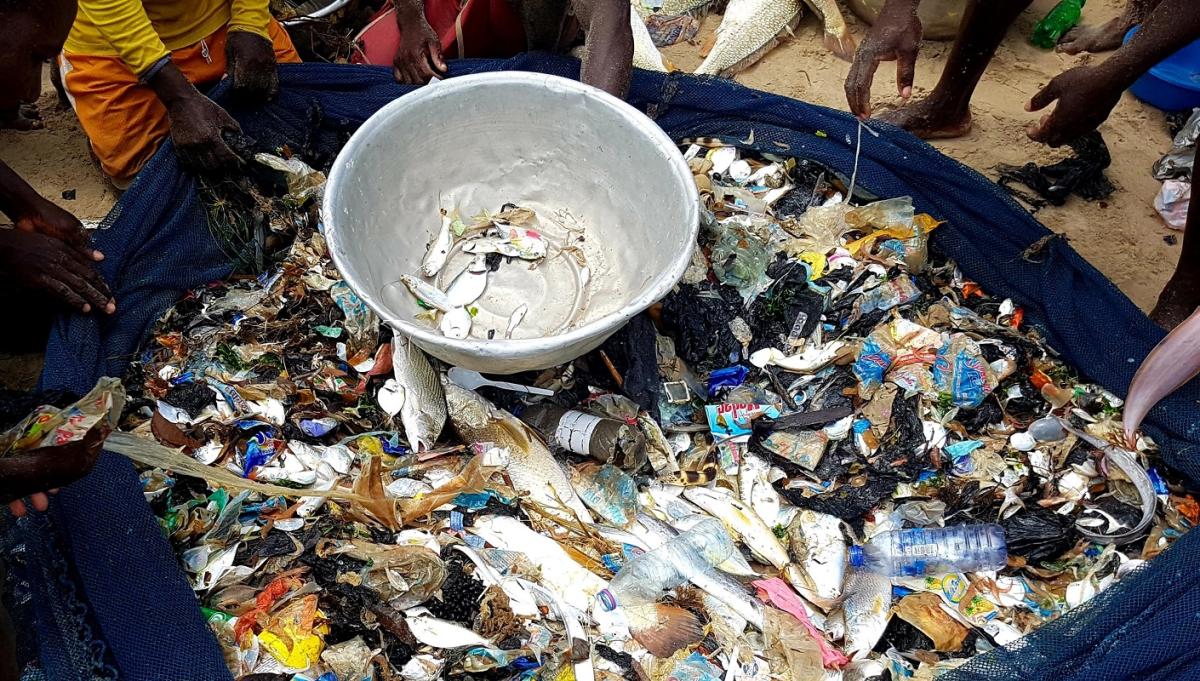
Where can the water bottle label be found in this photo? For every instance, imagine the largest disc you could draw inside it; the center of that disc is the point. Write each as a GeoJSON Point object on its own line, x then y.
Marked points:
{"type": "Point", "coordinates": [574, 431]}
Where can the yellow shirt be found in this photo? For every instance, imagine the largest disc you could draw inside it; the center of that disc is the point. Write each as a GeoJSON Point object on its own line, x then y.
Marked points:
{"type": "Point", "coordinates": [141, 32]}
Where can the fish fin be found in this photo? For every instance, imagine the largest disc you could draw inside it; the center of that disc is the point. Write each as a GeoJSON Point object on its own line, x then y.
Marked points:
{"type": "Point", "coordinates": [1173, 362]}
{"type": "Point", "coordinates": [668, 629]}
{"type": "Point", "coordinates": [842, 46]}
{"type": "Point", "coordinates": [708, 45]}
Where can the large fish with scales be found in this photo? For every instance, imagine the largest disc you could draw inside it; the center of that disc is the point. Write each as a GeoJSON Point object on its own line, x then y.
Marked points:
{"type": "Point", "coordinates": [531, 467]}
{"type": "Point", "coordinates": [423, 409]}
{"type": "Point", "coordinates": [751, 28]}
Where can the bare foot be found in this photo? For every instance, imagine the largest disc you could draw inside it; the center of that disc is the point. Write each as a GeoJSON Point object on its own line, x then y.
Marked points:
{"type": "Point", "coordinates": [929, 120]}
{"type": "Point", "coordinates": [1179, 299]}
{"type": "Point", "coordinates": [1102, 38]}
{"type": "Point", "coordinates": [24, 117]}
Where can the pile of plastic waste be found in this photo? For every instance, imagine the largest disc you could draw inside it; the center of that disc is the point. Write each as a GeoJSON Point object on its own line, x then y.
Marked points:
{"type": "Point", "coordinates": [1175, 171]}
{"type": "Point", "coordinates": [826, 454]}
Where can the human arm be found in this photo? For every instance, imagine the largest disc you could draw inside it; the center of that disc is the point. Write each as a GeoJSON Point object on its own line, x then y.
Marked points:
{"type": "Point", "coordinates": [895, 36]}
{"type": "Point", "coordinates": [608, 63]}
{"type": "Point", "coordinates": [30, 474]}
{"type": "Point", "coordinates": [196, 121]}
{"type": "Point", "coordinates": [1085, 95]}
{"type": "Point", "coordinates": [419, 55]}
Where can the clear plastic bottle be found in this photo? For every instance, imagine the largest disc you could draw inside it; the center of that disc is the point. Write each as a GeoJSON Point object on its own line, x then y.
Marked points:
{"type": "Point", "coordinates": [933, 551]}
{"type": "Point", "coordinates": [643, 580]}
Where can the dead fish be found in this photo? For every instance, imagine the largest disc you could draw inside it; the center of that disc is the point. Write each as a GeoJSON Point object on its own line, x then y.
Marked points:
{"type": "Point", "coordinates": [865, 610]}
{"type": "Point", "coordinates": [439, 250]}
{"type": "Point", "coordinates": [738, 517]}
{"type": "Point", "coordinates": [683, 515]}
{"type": "Point", "coordinates": [820, 551]}
{"type": "Point", "coordinates": [809, 361]}
{"type": "Point", "coordinates": [515, 319]}
{"type": "Point", "coordinates": [456, 323]}
{"type": "Point", "coordinates": [715, 583]}
{"type": "Point", "coordinates": [469, 284]}
{"type": "Point", "coordinates": [423, 402]}
{"type": "Point", "coordinates": [676, 7]}
{"type": "Point", "coordinates": [513, 242]}
{"type": "Point", "coordinates": [427, 293]}
{"type": "Point", "coordinates": [532, 468]}
{"type": "Point", "coordinates": [438, 633]}
{"type": "Point", "coordinates": [756, 491]}
{"type": "Point", "coordinates": [837, 35]}
{"type": "Point", "coordinates": [645, 52]}
{"type": "Point", "coordinates": [570, 581]}
{"type": "Point", "coordinates": [1173, 362]}
{"type": "Point", "coordinates": [749, 30]}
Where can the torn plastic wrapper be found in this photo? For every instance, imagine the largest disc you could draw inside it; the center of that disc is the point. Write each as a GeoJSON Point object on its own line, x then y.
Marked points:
{"type": "Point", "coordinates": [51, 427]}
{"type": "Point", "coordinates": [731, 425]}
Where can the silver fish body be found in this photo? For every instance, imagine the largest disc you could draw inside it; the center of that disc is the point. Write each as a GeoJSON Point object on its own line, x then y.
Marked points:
{"type": "Point", "coordinates": [439, 250]}
{"type": "Point", "coordinates": [645, 52]}
{"type": "Point", "coordinates": [469, 284]}
{"type": "Point", "coordinates": [819, 548]}
{"type": "Point", "coordinates": [742, 521]}
{"type": "Point", "coordinates": [515, 319]}
{"type": "Point", "coordinates": [532, 468]}
{"type": "Point", "coordinates": [570, 581]}
{"type": "Point", "coordinates": [456, 323]}
{"type": "Point", "coordinates": [423, 411]}
{"type": "Point", "coordinates": [427, 293]}
{"type": "Point", "coordinates": [755, 489]}
{"type": "Point", "coordinates": [749, 29]}
{"type": "Point", "coordinates": [724, 588]}
{"type": "Point", "coordinates": [865, 611]}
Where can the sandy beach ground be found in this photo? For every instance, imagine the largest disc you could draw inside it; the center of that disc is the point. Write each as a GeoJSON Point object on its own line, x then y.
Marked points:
{"type": "Point", "coordinates": [1123, 237]}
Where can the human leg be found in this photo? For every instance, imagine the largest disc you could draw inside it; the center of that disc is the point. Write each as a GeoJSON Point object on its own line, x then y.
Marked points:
{"type": "Point", "coordinates": [1181, 296]}
{"type": "Point", "coordinates": [946, 112]}
{"type": "Point", "coordinates": [1110, 34]}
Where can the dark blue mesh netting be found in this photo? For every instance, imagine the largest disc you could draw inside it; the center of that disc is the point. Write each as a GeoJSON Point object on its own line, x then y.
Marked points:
{"type": "Point", "coordinates": [105, 589]}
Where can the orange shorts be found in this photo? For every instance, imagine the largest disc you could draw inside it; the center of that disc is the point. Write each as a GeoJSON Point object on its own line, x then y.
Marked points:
{"type": "Point", "coordinates": [122, 116]}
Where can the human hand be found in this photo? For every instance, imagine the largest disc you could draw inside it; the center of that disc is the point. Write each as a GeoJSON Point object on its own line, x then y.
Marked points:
{"type": "Point", "coordinates": [45, 217]}
{"type": "Point", "coordinates": [419, 56]}
{"type": "Point", "coordinates": [39, 261]}
{"type": "Point", "coordinates": [896, 36]}
{"type": "Point", "coordinates": [1085, 96]}
{"type": "Point", "coordinates": [23, 476]}
{"type": "Point", "coordinates": [196, 126]}
{"type": "Point", "coordinates": [251, 66]}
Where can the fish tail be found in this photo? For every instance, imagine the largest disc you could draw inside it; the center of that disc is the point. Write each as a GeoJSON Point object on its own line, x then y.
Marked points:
{"type": "Point", "coordinates": [841, 44]}
{"type": "Point", "coordinates": [1173, 362]}
{"type": "Point", "coordinates": [667, 629]}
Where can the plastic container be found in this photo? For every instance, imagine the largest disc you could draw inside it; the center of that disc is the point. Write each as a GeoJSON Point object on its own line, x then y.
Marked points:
{"type": "Point", "coordinates": [479, 141]}
{"type": "Point", "coordinates": [643, 580]}
{"type": "Point", "coordinates": [933, 551]}
{"type": "Point", "coordinates": [1174, 83]}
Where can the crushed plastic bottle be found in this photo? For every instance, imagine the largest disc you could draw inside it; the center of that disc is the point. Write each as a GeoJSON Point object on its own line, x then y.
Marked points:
{"type": "Point", "coordinates": [643, 580]}
{"type": "Point", "coordinates": [933, 551]}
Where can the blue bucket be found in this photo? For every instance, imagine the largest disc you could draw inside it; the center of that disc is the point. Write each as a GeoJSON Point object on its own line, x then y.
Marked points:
{"type": "Point", "coordinates": [1174, 83]}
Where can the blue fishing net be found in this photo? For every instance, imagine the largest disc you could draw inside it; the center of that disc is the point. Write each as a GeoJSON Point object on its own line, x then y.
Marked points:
{"type": "Point", "coordinates": [104, 589]}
